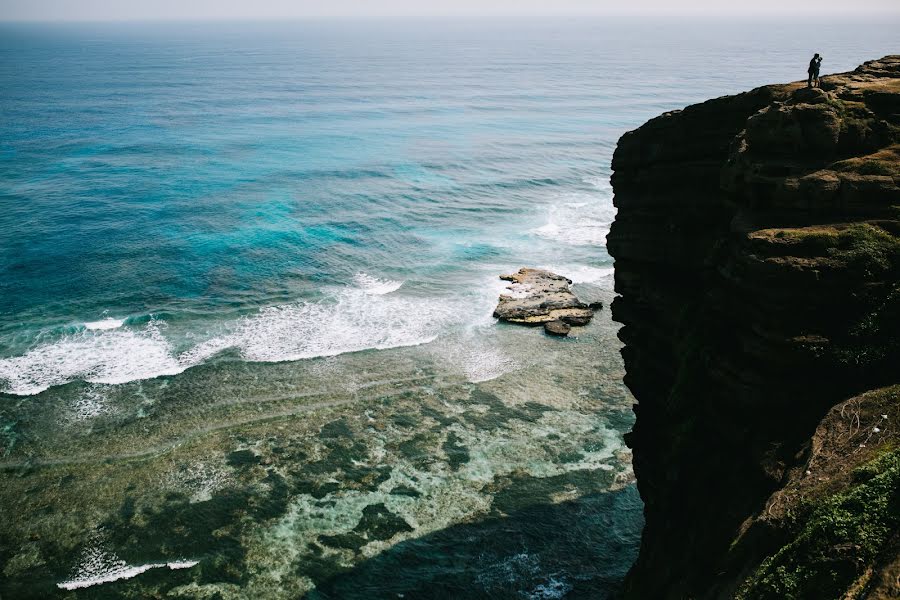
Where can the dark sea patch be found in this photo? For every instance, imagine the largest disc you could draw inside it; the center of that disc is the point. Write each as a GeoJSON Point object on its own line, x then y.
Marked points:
{"type": "Point", "coordinates": [577, 549]}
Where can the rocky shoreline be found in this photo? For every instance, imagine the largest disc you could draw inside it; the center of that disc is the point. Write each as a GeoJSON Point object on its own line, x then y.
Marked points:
{"type": "Point", "coordinates": [539, 297]}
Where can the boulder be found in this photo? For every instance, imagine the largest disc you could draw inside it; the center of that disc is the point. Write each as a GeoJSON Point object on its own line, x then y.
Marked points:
{"type": "Point", "coordinates": [538, 296]}
{"type": "Point", "coordinates": [558, 328]}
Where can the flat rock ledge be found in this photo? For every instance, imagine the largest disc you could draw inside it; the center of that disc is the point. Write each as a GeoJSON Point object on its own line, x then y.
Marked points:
{"type": "Point", "coordinates": [539, 297]}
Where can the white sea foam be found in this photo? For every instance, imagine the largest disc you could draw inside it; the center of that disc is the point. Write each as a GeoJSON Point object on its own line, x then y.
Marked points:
{"type": "Point", "coordinates": [353, 319]}
{"type": "Point", "coordinates": [585, 232]}
{"type": "Point", "coordinates": [552, 589]}
{"type": "Point", "coordinates": [376, 286]}
{"type": "Point", "coordinates": [601, 182]}
{"type": "Point", "coordinates": [477, 354]}
{"type": "Point", "coordinates": [357, 321]}
{"type": "Point", "coordinates": [582, 273]}
{"type": "Point", "coordinates": [121, 570]}
{"type": "Point", "coordinates": [98, 566]}
{"type": "Point", "coordinates": [484, 364]}
{"type": "Point", "coordinates": [577, 220]}
{"type": "Point", "coordinates": [104, 324]}
{"type": "Point", "coordinates": [96, 356]}
{"type": "Point", "coordinates": [476, 350]}
{"type": "Point", "coordinates": [91, 403]}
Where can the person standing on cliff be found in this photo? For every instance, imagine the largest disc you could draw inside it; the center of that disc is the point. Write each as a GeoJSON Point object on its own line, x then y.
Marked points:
{"type": "Point", "coordinates": [814, 65]}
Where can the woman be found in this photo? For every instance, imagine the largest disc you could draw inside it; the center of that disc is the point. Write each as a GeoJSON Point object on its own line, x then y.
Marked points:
{"type": "Point", "coordinates": [814, 65]}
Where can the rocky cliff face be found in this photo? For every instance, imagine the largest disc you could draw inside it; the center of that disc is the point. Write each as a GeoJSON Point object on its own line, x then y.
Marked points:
{"type": "Point", "coordinates": [757, 248]}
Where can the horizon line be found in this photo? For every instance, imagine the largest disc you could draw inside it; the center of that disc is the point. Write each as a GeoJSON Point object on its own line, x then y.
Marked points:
{"type": "Point", "coordinates": [335, 17]}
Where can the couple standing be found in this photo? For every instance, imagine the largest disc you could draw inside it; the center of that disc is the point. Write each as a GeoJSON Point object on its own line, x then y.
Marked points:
{"type": "Point", "coordinates": [814, 65]}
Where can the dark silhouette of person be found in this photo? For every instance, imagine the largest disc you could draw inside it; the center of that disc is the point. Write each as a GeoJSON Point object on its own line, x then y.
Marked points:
{"type": "Point", "coordinates": [814, 65]}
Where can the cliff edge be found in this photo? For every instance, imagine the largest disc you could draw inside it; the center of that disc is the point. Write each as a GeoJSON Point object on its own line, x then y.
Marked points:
{"type": "Point", "coordinates": [757, 248]}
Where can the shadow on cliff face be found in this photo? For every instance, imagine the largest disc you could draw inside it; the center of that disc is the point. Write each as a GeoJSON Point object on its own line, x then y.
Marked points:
{"type": "Point", "coordinates": [757, 248]}
{"type": "Point", "coordinates": [576, 549]}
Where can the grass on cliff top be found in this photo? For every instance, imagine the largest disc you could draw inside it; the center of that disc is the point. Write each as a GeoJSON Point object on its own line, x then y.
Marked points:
{"type": "Point", "coordinates": [866, 248]}
{"type": "Point", "coordinates": [837, 545]}
{"type": "Point", "coordinates": [883, 162]}
{"type": "Point", "coordinates": [886, 85]}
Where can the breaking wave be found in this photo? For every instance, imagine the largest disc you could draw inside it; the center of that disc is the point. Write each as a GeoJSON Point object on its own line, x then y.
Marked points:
{"type": "Point", "coordinates": [355, 318]}
{"type": "Point", "coordinates": [376, 286]}
{"type": "Point", "coordinates": [577, 220]}
{"type": "Point", "coordinates": [98, 565]}
{"type": "Point", "coordinates": [104, 324]}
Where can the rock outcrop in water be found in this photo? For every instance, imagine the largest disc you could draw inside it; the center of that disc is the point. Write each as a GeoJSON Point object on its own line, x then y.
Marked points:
{"type": "Point", "coordinates": [757, 248]}
{"type": "Point", "coordinates": [539, 297]}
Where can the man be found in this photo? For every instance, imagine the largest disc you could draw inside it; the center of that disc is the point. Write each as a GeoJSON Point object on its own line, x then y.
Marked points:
{"type": "Point", "coordinates": [814, 65]}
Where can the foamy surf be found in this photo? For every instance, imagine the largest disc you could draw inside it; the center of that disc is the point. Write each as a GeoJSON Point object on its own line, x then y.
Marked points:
{"type": "Point", "coordinates": [485, 364]}
{"type": "Point", "coordinates": [353, 320]}
{"type": "Point", "coordinates": [376, 286]}
{"type": "Point", "coordinates": [582, 273]}
{"type": "Point", "coordinates": [90, 404]}
{"type": "Point", "coordinates": [577, 220]}
{"type": "Point", "coordinates": [98, 565]}
{"type": "Point", "coordinates": [600, 182]}
{"type": "Point", "coordinates": [108, 356]}
{"type": "Point", "coordinates": [121, 570]}
{"type": "Point", "coordinates": [104, 324]}
{"type": "Point", "coordinates": [584, 232]}
{"type": "Point", "coordinates": [357, 321]}
{"type": "Point", "coordinates": [477, 354]}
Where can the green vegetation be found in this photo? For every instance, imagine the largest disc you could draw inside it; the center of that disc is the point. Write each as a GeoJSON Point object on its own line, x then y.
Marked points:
{"type": "Point", "coordinates": [868, 248]}
{"type": "Point", "coordinates": [860, 129]}
{"type": "Point", "coordinates": [883, 162]}
{"type": "Point", "coordinates": [874, 338]}
{"type": "Point", "coordinates": [863, 247]}
{"type": "Point", "coordinates": [839, 105]}
{"type": "Point", "coordinates": [838, 542]}
{"type": "Point", "coordinates": [876, 167]}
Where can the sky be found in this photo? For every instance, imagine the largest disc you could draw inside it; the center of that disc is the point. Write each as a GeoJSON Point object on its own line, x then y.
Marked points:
{"type": "Point", "coordinates": [123, 10]}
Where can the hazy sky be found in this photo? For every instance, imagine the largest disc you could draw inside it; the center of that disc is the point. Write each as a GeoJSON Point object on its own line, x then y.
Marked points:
{"type": "Point", "coordinates": [92, 10]}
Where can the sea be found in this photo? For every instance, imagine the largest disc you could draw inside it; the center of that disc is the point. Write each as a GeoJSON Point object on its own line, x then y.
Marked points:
{"type": "Point", "coordinates": [247, 275]}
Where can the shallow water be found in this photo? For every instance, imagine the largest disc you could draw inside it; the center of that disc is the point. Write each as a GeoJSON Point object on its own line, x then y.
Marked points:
{"type": "Point", "coordinates": [246, 279]}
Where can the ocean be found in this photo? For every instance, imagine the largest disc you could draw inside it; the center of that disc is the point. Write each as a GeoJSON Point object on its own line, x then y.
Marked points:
{"type": "Point", "coordinates": [247, 272]}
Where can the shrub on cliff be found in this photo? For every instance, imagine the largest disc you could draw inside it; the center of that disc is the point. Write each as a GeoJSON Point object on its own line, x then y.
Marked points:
{"type": "Point", "coordinates": [836, 546]}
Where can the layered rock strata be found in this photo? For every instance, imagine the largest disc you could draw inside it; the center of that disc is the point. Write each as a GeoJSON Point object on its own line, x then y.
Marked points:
{"type": "Point", "coordinates": [757, 248]}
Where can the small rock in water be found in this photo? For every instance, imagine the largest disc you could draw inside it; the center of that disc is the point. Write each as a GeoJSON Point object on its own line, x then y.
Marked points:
{"type": "Point", "coordinates": [557, 328]}
{"type": "Point", "coordinates": [538, 296]}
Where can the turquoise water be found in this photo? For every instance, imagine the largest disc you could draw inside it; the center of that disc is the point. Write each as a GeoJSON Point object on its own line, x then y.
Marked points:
{"type": "Point", "coordinates": [246, 281]}
{"type": "Point", "coordinates": [188, 176]}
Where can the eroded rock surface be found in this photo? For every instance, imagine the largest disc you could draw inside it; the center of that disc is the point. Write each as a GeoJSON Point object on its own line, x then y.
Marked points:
{"type": "Point", "coordinates": [539, 297]}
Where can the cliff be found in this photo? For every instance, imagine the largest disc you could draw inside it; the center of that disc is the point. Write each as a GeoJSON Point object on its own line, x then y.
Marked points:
{"type": "Point", "coordinates": [757, 247]}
